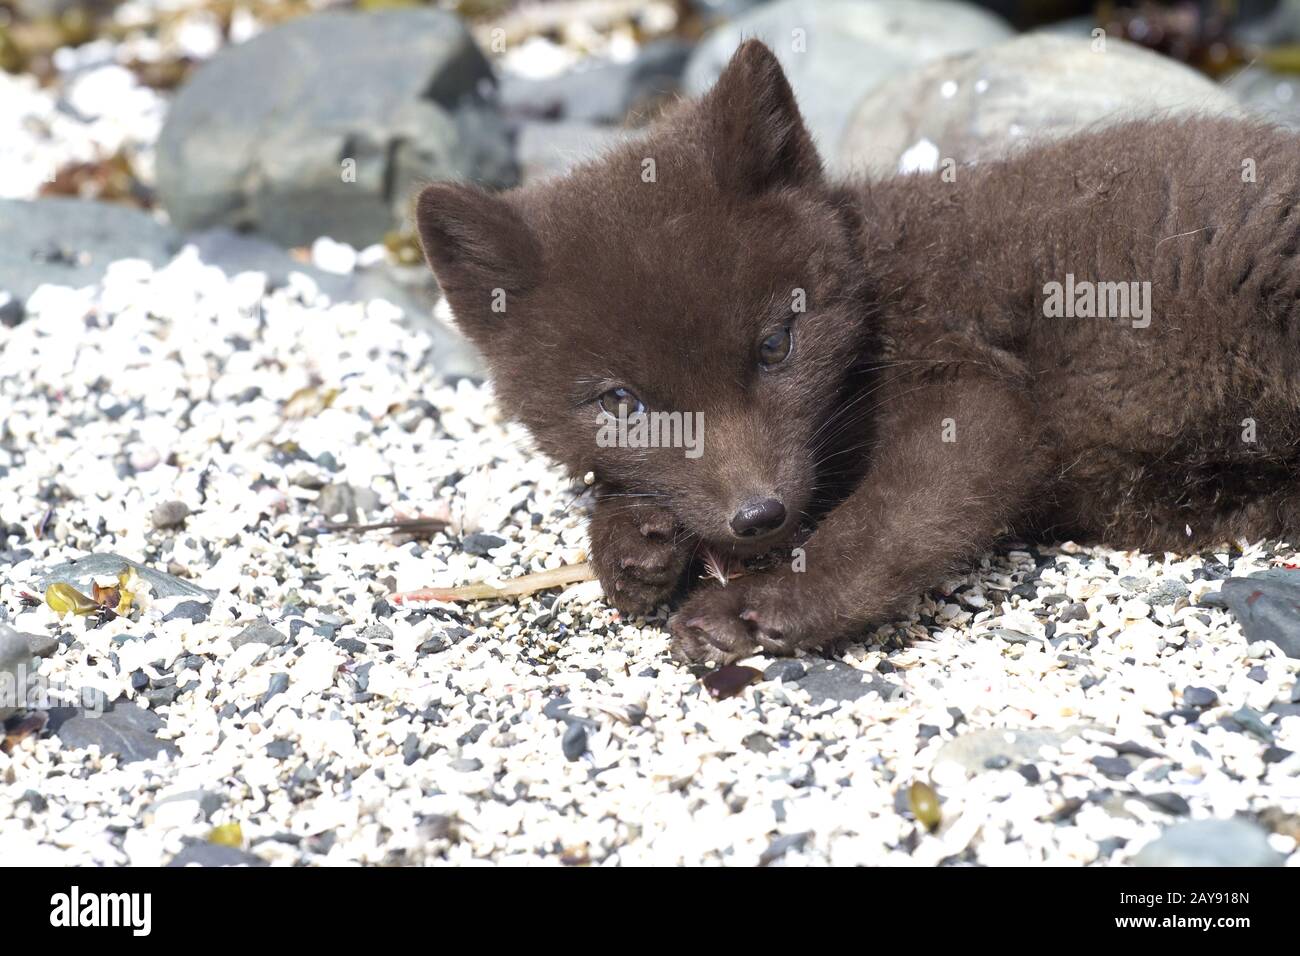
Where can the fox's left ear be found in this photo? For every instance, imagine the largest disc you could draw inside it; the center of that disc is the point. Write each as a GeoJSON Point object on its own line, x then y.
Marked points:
{"type": "Point", "coordinates": [760, 141]}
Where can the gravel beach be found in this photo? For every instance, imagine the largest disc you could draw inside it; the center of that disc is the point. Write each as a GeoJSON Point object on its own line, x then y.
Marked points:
{"type": "Point", "coordinates": [192, 433]}
{"type": "Point", "coordinates": [1067, 705]}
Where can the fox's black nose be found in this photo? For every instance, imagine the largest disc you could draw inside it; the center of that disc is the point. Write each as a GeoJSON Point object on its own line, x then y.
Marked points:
{"type": "Point", "coordinates": [758, 516]}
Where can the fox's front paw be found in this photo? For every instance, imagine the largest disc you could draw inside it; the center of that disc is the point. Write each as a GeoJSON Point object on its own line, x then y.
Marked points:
{"type": "Point", "coordinates": [724, 624]}
{"type": "Point", "coordinates": [638, 553]}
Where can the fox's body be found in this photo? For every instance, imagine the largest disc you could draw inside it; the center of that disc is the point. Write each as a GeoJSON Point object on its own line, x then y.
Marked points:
{"type": "Point", "coordinates": [1186, 418]}
{"type": "Point", "coordinates": [912, 365]}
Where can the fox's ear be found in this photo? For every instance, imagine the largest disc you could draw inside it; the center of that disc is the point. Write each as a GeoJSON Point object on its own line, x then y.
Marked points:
{"type": "Point", "coordinates": [760, 139]}
{"type": "Point", "coordinates": [476, 244]}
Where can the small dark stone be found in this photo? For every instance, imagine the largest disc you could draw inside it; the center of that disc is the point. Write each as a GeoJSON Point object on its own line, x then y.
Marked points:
{"type": "Point", "coordinates": [280, 749]}
{"type": "Point", "coordinates": [1252, 722]}
{"type": "Point", "coordinates": [259, 632]}
{"type": "Point", "coordinates": [481, 544]}
{"type": "Point", "coordinates": [139, 680]}
{"type": "Point", "coordinates": [1295, 692]}
{"type": "Point", "coordinates": [786, 670]}
{"type": "Point", "coordinates": [997, 762]}
{"type": "Point", "coordinates": [1030, 773]}
{"type": "Point", "coordinates": [1257, 674]}
{"type": "Point", "coordinates": [758, 743]}
{"type": "Point", "coordinates": [729, 680]}
{"type": "Point", "coordinates": [574, 743]}
{"type": "Point", "coordinates": [1169, 803]}
{"type": "Point", "coordinates": [653, 672]}
{"type": "Point", "coordinates": [410, 749]}
{"type": "Point", "coordinates": [781, 845]}
{"type": "Point", "coordinates": [1117, 768]}
{"type": "Point", "coordinates": [278, 684]}
{"type": "Point", "coordinates": [351, 645]}
{"type": "Point", "coordinates": [1134, 749]}
{"type": "Point", "coordinates": [1200, 696]}
{"type": "Point", "coordinates": [926, 731]}
{"type": "Point", "coordinates": [381, 608]}
{"type": "Point", "coordinates": [34, 800]}
{"type": "Point", "coordinates": [1275, 754]}
{"type": "Point", "coordinates": [327, 461]}
{"type": "Point", "coordinates": [192, 611]}
{"type": "Point", "coordinates": [162, 696]}
{"type": "Point", "coordinates": [169, 514]}
{"type": "Point", "coordinates": [1073, 612]}
{"type": "Point", "coordinates": [191, 663]}
{"type": "Point", "coordinates": [467, 764]}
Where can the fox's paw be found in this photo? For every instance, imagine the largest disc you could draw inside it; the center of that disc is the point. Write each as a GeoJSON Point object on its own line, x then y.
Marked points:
{"type": "Point", "coordinates": [724, 624]}
{"type": "Point", "coordinates": [637, 555]}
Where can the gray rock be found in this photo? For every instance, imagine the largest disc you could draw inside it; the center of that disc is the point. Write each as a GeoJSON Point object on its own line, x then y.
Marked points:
{"type": "Point", "coordinates": [835, 51]}
{"type": "Point", "coordinates": [550, 149]}
{"type": "Point", "coordinates": [15, 669]}
{"type": "Point", "coordinates": [984, 105]}
{"type": "Point", "coordinates": [785, 670]}
{"type": "Point", "coordinates": [71, 242]}
{"type": "Point", "coordinates": [278, 684]}
{"type": "Point", "coordinates": [838, 681]}
{"type": "Point", "coordinates": [1199, 696]}
{"type": "Point", "coordinates": [80, 571]}
{"type": "Point", "coordinates": [123, 729]}
{"type": "Point", "coordinates": [169, 514]}
{"type": "Point", "coordinates": [574, 743]}
{"type": "Point", "coordinates": [603, 92]}
{"type": "Point", "coordinates": [1167, 591]}
{"type": "Point", "coordinates": [259, 135]}
{"type": "Point", "coordinates": [1073, 612]}
{"type": "Point", "coordinates": [1267, 605]}
{"type": "Point", "coordinates": [1231, 842]}
{"type": "Point", "coordinates": [214, 854]}
{"type": "Point", "coordinates": [42, 645]}
{"type": "Point", "coordinates": [192, 611]}
{"type": "Point", "coordinates": [259, 632]}
{"type": "Point", "coordinates": [973, 751]}
{"type": "Point", "coordinates": [343, 499]}
{"type": "Point", "coordinates": [481, 544]}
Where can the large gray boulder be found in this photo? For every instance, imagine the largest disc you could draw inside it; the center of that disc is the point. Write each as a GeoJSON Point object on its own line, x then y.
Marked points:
{"type": "Point", "coordinates": [262, 135]}
{"type": "Point", "coordinates": [983, 105]}
{"type": "Point", "coordinates": [835, 51]}
{"type": "Point", "coordinates": [71, 242]}
{"type": "Point", "coordinates": [1200, 843]}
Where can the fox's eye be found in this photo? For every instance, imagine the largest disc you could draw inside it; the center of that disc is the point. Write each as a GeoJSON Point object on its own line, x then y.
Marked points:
{"type": "Point", "coordinates": [621, 402]}
{"type": "Point", "coordinates": [775, 349]}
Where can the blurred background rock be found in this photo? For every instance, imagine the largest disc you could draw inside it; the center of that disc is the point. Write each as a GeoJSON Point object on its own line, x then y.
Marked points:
{"type": "Point", "coordinates": [290, 135]}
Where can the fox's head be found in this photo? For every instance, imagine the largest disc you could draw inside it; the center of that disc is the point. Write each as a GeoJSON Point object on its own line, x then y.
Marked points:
{"type": "Point", "coordinates": [707, 270]}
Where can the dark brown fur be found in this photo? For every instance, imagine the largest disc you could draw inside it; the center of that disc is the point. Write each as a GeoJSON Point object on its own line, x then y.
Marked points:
{"type": "Point", "coordinates": [924, 320]}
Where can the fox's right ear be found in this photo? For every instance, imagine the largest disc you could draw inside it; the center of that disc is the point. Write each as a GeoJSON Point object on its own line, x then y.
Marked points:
{"type": "Point", "coordinates": [477, 245]}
